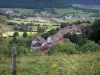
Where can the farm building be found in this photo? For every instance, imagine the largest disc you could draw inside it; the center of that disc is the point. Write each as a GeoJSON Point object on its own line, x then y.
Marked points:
{"type": "Point", "coordinates": [45, 45]}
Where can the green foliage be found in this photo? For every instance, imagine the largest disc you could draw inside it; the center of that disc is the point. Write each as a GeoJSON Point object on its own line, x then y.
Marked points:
{"type": "Point", "coordinates": [62, 25]}
{"type": "Point", "coordinates": [62, 64]}
{"type": "Point", "coordinates": [90, 46]}
{"type": "Point", "coordinates": [15, 34]}
{"type": "Point", "coordinates": [30, 29]}
{"type": "Point", "coordinates": [89, 22]}
{"type": "Point", "coordinates": [95, 15]}
{"type": "Point", "coordinates": [68, 48]}
{"type": "Point", "coordinates": [92, 32]}
{"type": "Point", "coordinates": [22, 45]}
{"type": "Point", "coordinates": [4, 47]}
{"type": "Point", "coordinates": [41, 29]}
{"type": "Point", "coordinates": [24, 28]}
{"type": "Point", "coordinates": [77, 22]}
{"type": "Point", "coordinates": [25, 34]}
{"type": "Point", "coordinates": [95, 31]}
{"type": "Point", "coordinates": [73, 37]}
{"type": "Point", "coordinates": [82, 41]}
{"type": "Point", "coordinates": [57, 29]}
{"type": "Point", "coordinates": [96, 24]}
{"type": "Point", "coordinates": [49, 33]}
{"type": "Point", "coordinates": [45, 35]}
{"type": "Point", "coordinates": [22, 50]}
{"type": "Point", "coordinates": [11, 23]}
{"type": "Point", "coordinates": [83, 45]}
{"type": "Point", "coordinates": [86, 31]}
{"type": "Point", "coordinates": [52, 31]}
{"type": "Point", "coordinates": [99, 42]}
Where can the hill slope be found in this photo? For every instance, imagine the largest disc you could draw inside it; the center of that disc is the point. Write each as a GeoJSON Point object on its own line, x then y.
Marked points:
{"type": "Point", "coordinates": [86, 2]}
{"type": "Point", "coordinates": [43, 3]}
{"type": "Point", "coordinates": [32, 3]}
{"type": "Point", "coordinates": [85, 64]}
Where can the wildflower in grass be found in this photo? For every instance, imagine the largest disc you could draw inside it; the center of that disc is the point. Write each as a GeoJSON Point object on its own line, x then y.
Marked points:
{"type": "Point", "coordinates": [53, 65]}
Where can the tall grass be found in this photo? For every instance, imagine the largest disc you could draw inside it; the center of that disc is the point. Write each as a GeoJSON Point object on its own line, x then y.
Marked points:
{"type": "Point", "coordinates": [61, 64]}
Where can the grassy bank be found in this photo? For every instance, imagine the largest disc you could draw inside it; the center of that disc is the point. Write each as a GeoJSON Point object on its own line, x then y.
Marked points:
{"type": "Point", "coordinates": [62, 64]}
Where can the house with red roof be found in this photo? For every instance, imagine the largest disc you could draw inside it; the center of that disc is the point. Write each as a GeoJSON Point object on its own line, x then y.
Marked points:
{"type": "Point", "coordinates": [45, 45]}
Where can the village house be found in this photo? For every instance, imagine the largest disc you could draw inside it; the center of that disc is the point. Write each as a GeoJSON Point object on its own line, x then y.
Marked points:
{"type": "Point", "coordinates": [45, 45]}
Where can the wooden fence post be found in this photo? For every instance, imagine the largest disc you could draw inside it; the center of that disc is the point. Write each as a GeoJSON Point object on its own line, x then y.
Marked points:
{"type": "Point", "coordinates": [13, 54]}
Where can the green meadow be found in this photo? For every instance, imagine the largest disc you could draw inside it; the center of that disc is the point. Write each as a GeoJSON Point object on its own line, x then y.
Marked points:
{"type": "Point", "coordinates": [59, 64]}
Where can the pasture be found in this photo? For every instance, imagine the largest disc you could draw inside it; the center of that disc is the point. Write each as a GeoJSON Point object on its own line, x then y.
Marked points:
{"type": "Point", "coordinates": [59, 64]}
{"type": "Point", "coordinates": [70, 11]}
{"type": "Point", "coordinates": [25, 11]}
{"type": "Point", "coordinates": [59, 11]}
{"type": "Point", "coordinates": [46, 21]}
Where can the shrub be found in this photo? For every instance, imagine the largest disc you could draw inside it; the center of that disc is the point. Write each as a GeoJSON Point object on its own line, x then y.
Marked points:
{"type": "Point", "coordinates": [16, 34]}
{"type": "Point", "coordinates": [45, 35]}
{"type": "Point", "coordinates": [4, 47]}
{"type": "Point", "coordinates": [51, 32]}
{"type": "Point", "coordinates": [25, 34]}
{"type": "Point", "coordinates": [99, 42]}
{"type": "Point", "coordinates": [82, 41]}
{"type": "Point", "coordinates": [77, 22]}
{"type": "Point", "coordinates": [62, 25]}
{"type": "Point", "coordinates": [22, 50]}
{"type": "Point", "coordinates": [90, 46]}
{"type": "Point", "coordinates": [73, 37]}
{"type": "Point", "coordinates": [68, 48]}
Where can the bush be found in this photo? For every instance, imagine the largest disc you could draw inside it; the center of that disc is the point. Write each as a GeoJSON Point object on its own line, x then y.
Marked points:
{"type": "Point", "coordinates": [51, 32]}
{"type": "Point", "coordinates": [16, 34]}
{"type": "Point", "coordinates": [77, 22]}
{"type": "Point", "coordinates": [22, 50]}
{"type": "Point", "coordinates": [68, 48]}
{"type": "Point", "coordinates": [83, 45]}
{"type": "Point", "coordinates": [99, 42]}
{"type": "Point", "coordinates": [4, 48]}
{"type": "Point", "coordinates": [25, 34]}
{"type": "Point", "coordinates": [62, 25]}
{"type": "Point", "coordinates": [73, 37]}
{"type": "Point", "coordinates": [82, 41]}
{"type": "Point", "coordinates": [45, 35]}
{"type": "Point", "coordinates": [90, 46]}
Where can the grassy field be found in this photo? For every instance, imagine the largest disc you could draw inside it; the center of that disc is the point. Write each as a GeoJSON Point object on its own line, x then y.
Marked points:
{"type": "Point", "coordinates": [25, 11]}
{"type": "Point", "coordinates": [60, 11]}
{"type": "Point", "coordinates": [47, 21]}
{"type": "Point", "coordinates": [71, 10]}
{"type": "Point", "coordinates": [3, 26]}
{"type": "Point", "coordinates": [10, 33]}
{"type": "Point", "coordinates": [33, 20]}
{"type": "Point", "coordinates": [62, 64]}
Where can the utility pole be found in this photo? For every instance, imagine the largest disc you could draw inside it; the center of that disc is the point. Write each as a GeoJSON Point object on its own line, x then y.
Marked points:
{"type": "Point", "coordinates": [13, 54]}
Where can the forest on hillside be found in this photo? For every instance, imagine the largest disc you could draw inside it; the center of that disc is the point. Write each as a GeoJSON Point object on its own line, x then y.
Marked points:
{"type": "Point", "coordinates": [32, 3]}
{"type": "Point", "coordinates": [44, 3]}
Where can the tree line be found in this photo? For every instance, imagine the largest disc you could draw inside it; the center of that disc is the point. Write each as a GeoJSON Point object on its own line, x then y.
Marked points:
{"type": "Point", "coordinates": [33, 4]}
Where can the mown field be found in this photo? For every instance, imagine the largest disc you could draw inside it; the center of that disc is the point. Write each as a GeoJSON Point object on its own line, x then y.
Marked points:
{"type": "Point", "coordinates": [70, 11]}
{"type": "Point", "coordinates": [46, 21]}
{"type": "Point", "coordinates": [60, 11]}
{"type": "Point", "coordinates": [61, 64]}
{"type": "Point", "coordinates": [25, 11]}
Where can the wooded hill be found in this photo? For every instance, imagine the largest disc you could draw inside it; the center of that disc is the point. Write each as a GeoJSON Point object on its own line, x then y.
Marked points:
{"type": "Point", "coordinates": [44, 3]}
{"type": "Point", "coordinates": [32, 3]}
